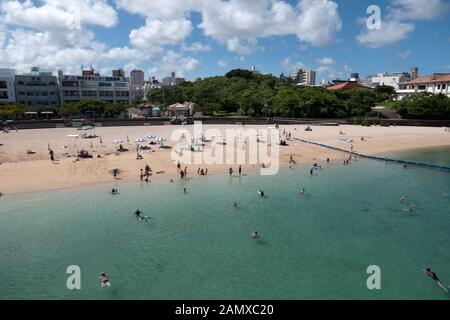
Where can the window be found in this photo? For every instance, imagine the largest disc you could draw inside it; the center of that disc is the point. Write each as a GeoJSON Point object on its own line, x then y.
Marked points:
{"type": "Point", "coordinates": [70, 83]}
{"type": "Point", "coordinates": [422, 87]}
{"type": "Point", "coordinates": [121, 84]}
{"type": "Point", "coordinates": [444, 86]}
{"type": "Point", "coordinates": [3, 85]}
{"type": "Point", "coordinates": [70, 93]}
{"type": "Point", "coordinates": [439, 87]}
{"type": "Point", "coordinates": [105, 84]}
{"type": "Point", "coordinates": [105, 93]}
{"type": "Point", "coordinates": [51, 83]}
{"type": "Point", "coordinates": [20, 83]}
{"type": "Point", "coordinates": [89, 93]}
{"type": "Point", "coordinates": [21, 93]}
{"type": "Point", "coordinates": [3, 95]}
{"type": "Point", "coordinates": [122, 94]}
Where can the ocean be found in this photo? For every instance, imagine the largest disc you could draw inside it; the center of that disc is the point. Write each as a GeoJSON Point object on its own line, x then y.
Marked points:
{"type": "Point", "coordinates": [197, 245]}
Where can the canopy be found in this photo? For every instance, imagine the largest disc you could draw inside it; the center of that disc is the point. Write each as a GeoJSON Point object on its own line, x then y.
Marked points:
{"type": "Point", "coordinates": [117, 141]}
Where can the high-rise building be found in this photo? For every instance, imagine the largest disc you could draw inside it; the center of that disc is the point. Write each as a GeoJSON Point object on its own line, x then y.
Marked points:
{"type": "Point", "coordinates": [7, 87]}
{"type": "Point", "coordinates": [137, 81]}
{"type": "Point", "coordinates": [171, 81]}
{"type": "Point", "coordinates": [74, 88]}
{"type": "Point", "coordinates": [304, 77]}
{"type": "Point", "coordinates": [37, 89]}
{"type": "Point", "coordinates": [414, 73]}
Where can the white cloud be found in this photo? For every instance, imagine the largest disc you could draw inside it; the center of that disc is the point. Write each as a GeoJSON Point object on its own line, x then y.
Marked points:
{"type": "Point", "coordinates": [418, 9]}
{"type": "Point", "coordinates": [222, 63]}
{"type": "Point", "coordinates": [399, 21]}
{"type": "Point", "coordinates": [196, 47]}
{"type": "Point", "coordinates": [56, 15]}
{"type": "Point", "coordinates": [404, 55]}
{"type": "Point", "coordinates": [327, 72]}
{"type": "Point", "coordinates": [159, 33]}
{"type": "Point", "coordinates": [288, 66]}
{"type": "Point", "coordinates": [238, 23]}
{"type": "Point", "coordinates": [244, 47]}
{"type": "Point", "coordinates": [391, 32]}
{"type": "Point", "coordinates": [159, 9]}
{"type": "Point", "coordinates": [173, 61]}
{"type": "Point", "coordinates": [325, 61]}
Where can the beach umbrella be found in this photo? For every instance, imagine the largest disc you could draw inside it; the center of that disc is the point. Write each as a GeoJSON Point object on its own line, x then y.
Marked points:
{"type": "Point", "coordinates": [117, 141]}
{"type": "Point", "coordinates": [150, 136]}
{"type": "Point", "coordinates": [140, 140]}
{"type": "Point", "coordinates": [160, 139]}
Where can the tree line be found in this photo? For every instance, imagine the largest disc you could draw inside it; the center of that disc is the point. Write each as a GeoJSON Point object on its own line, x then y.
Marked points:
{"type": "Point", "coordinates": [246, 93]}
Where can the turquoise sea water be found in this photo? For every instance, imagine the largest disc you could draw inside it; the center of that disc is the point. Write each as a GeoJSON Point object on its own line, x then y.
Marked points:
{"type": "Point", "coordinates": [197, 246]}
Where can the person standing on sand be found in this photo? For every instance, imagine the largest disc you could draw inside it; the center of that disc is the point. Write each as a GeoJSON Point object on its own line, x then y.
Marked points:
{"type": "Point", "coordinates": [240, 170]}
{"type": "Point", "coordinates": [230, 171]}
{"type": "Point", "coordinates": [52, 158]}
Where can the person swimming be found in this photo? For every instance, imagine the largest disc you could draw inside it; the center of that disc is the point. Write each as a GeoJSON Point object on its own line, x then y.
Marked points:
{"type": "Point", "coordinates": [235, 205]}
{"type": "Point", "coordinates": [138, 213]}
{"type": "Point", "coordinates": [302, 191]}
{"type": "Point", "coordinates": [104, 280]}
{"type": "Point", "coordinates": [434, 276]}
{"type": "Point", "coordinates": [114, 191]}
{"type": "Point", "coordinates": [254, 235]}
{"type": "Point", "coordinates": [261, 192]}
{"type": "Point", "coordinates": [402, 199]}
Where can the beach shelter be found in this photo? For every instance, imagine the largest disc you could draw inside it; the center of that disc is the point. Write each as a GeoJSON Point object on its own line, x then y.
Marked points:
{"type": "Point", "coordinates": [140, 140]}
{"type": "Point", "coordinates": [117, 141]}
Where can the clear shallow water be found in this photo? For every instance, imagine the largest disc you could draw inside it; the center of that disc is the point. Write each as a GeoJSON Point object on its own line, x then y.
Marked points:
{"type": "Point", "coordinates": [315, 246]}
{"type": "Point", "coordinates": [440, 155]}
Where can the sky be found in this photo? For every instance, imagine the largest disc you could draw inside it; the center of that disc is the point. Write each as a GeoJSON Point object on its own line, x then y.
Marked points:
{"type": "Point", "coordinates": [203, 38]}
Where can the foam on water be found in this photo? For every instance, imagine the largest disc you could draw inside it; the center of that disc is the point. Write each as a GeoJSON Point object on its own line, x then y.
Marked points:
{"type": "Point", "coordinates": [197, 246]}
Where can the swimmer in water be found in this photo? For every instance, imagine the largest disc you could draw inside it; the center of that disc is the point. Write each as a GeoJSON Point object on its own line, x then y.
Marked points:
{"type": "Point", "coordinates": [261, 193]}
{"type": "Point", "coordinates": [235, 205]}
{"type": "Point", "coordinates": [114, 191]}
{"type": "Point", "coordinates": [302, 191]}
{"type": "Point", "coordinates": [254, 235]}
{"type": "Point", "coordinates": [402, 199]}
{"type": "Point", "coordinates": [184, 190]}
{"type": "Point", "coordinates": [104, 280]}
{"type": "Point", "coordinates": [434, 276]}
{"type": "Point", "coordinates": [137, 213]}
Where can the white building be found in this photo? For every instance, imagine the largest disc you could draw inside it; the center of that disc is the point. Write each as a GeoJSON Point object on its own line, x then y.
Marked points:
{"type": "Point", "coordinates": [7, 88]}
{"type": "Point", "coordinates": [304, 77]}
{"type": "Point", "coordinates": [92, 86]}
{"type": "Point", "coordinates": [390, 79]}
{"type": "Point", "coordinates": [438, 83]}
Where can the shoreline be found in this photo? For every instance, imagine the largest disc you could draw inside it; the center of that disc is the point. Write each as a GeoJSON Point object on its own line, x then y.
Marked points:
{"type": "Point", "coordinates": [25, 174]}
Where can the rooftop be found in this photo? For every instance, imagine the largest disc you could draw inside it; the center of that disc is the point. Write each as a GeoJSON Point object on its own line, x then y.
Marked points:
{"type": "Point", "coordinates": [435, 77]}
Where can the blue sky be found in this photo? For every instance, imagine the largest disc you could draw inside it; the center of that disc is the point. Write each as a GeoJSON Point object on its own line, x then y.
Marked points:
{"type": "Point", "coordinates": [201, 38]}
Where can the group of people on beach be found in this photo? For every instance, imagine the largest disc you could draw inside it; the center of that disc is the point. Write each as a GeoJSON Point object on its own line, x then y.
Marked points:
{"type": "Point", "coordinates": [146, 173]}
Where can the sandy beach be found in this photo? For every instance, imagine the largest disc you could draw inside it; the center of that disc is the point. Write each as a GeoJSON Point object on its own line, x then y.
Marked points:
{"type": "Point", "coordinates": [23, 173]}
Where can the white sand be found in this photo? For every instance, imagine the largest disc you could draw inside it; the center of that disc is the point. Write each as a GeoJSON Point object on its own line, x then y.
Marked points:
{"type": "Point", "coordinates": [21, 173]}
